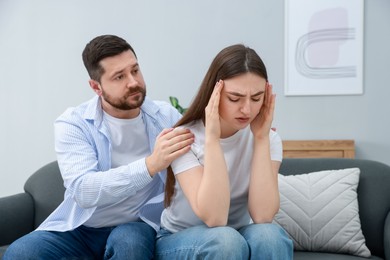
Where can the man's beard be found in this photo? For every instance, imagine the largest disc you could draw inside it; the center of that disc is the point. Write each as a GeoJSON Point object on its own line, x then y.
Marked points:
{"type": "Point", "coordinates": [123, 103]}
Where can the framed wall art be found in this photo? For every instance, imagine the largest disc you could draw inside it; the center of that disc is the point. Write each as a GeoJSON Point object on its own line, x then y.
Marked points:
{"type": "Point", "coordinates": [324, 47]}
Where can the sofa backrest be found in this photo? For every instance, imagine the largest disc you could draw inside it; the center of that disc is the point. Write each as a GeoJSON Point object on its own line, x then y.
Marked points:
{"type": "Point", "coordinates": [373, 192]}
{"type": "Point", "coordinates": [47, 189]}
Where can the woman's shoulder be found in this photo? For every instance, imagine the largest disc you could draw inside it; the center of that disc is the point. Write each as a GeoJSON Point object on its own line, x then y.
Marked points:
{"type": "Point", "coordinates": [195, 126]}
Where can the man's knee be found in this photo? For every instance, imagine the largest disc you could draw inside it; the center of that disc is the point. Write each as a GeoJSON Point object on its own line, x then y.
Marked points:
{"type": "Point", "coordinates": [26, 247]}
{"type": "Point", "coordinates": [132, 233]}
{"type": "Point", "coordinates": [15, 251]}
{"type": "Point", "coordinates": [135, 240]}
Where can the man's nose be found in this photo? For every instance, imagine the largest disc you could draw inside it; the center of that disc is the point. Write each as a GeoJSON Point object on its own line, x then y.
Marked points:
{"type": "Point", "coordinates": [132, 82]}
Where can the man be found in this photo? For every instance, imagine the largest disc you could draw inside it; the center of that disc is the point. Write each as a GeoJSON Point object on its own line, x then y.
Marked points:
{"type": "Point", "coordinates": [112, 152]}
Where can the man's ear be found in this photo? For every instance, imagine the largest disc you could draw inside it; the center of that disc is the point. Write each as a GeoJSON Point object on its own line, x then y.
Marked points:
{"type": "Point", "coordinates": [95, 87]}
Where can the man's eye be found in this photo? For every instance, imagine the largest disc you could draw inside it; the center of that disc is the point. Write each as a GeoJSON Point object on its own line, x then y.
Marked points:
{"type": "Point", "coordinates": [119, 77]}
{"type": "Point", "coordinates": [256, 99]}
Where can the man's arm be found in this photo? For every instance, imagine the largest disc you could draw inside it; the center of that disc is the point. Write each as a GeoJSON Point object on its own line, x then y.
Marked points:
{"type": "Point", "coordinates": [92, 182]}
{"type": "Point", "coordinates": [88, 180]}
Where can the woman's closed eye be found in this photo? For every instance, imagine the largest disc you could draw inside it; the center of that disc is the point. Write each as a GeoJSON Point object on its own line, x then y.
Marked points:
{"type": "Point", "coordinates": [257, 99]}
{"type": "Point", "coordinates": [233, 99]}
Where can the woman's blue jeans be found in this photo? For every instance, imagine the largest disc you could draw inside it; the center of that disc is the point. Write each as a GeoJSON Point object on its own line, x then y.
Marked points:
{"type": "Point", "coordinates": [255, 241]}
{"type": "Point", "coordinates": [133, 240]}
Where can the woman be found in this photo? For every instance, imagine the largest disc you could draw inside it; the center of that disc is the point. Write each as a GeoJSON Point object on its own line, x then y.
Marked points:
{"type": "Point", "coordinates": [230, 175]}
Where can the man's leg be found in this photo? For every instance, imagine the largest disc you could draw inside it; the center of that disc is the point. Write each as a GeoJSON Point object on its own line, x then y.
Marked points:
{"type": "Point", "coordinates": [133, 240]}
{"type": "Point", "coordinates": [267, 241]}
{"type": "Point", "coordinates": [81, 243]}
{"type": "Point", "coordinates": [201, 242]}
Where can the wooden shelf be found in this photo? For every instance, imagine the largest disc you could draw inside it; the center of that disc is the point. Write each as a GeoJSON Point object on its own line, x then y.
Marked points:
{"type": "Point", "coordinates": [318, 148]}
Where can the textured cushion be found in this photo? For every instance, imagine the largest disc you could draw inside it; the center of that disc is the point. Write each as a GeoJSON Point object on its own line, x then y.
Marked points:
{"type": "Point", "coordinates": [320, 211]}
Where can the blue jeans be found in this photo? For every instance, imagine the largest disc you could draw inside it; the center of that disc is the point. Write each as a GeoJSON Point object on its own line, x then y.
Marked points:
{"type": "Point", "coordinates": [255, 241]}
{"type": "Point", "coordinates": [133, 240]}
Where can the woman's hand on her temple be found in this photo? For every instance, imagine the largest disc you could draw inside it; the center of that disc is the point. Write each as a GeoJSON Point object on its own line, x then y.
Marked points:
{"type": "Point", "coordinates": [261, 125]}
{"type": "Point", "coordinates": [213, 126]}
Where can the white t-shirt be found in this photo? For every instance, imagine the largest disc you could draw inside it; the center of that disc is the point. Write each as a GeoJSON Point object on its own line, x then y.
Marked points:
{"type": "Point", "coordinates": [129, 142]}
{"type": "Point", "coordinates": [238, 151]}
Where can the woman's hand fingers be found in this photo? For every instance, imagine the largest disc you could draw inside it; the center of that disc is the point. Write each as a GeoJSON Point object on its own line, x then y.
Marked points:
{"type": "Point", "coordinates": [212, 111]}
{"type": "Point", "coordinates": [261, 125]}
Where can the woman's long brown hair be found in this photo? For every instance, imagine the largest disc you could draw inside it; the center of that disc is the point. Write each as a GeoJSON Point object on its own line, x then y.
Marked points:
{"type": "Point", "coordinates": [230, 62]}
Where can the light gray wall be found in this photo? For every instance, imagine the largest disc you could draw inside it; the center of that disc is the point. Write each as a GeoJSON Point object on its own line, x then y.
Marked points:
{"type": "Point", "coordinates": [41, 71]}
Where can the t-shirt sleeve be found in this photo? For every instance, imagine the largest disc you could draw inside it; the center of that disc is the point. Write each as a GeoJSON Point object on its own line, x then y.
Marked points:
{"type": "Point", "coordinates": [276, 146]}
{"type": "Point", "coordinates": [185, 162]}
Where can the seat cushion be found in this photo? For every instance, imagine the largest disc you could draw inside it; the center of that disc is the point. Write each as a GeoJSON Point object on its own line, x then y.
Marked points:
{"type": "Point", "coordinates": [2, 251]}
{"type": "Point", "coordinates": [329, 256]}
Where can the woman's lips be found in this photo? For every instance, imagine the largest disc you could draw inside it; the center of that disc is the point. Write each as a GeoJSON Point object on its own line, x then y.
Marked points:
{"type": "Point", "coordinates": [243, 120]}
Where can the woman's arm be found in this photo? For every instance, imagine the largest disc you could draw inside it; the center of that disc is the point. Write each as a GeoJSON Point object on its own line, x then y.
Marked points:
{"type": "Point", "coordinates": [263, 201]}
{"type": "Point", "coordinates": [207, 188]}
{"type": "Point", "coordinates": [263, 197]}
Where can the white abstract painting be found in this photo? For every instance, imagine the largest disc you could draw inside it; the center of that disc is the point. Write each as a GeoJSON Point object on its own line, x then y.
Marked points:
{"type": "Point", "coordinates": [324, 47]}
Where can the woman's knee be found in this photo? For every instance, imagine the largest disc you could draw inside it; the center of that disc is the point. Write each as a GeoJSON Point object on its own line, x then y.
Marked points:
{"type": "Point", "coordinates": [225, 242]}
{"type": "Point", "coordinates": [267, 239]}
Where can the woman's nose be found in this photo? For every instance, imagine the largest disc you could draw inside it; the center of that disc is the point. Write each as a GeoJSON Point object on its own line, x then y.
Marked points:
{"type": "Point", "coordinates": [245, 109]}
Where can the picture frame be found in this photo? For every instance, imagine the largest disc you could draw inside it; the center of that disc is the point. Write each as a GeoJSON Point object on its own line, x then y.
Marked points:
{"type": "Point", "coordinates": [324, 47]}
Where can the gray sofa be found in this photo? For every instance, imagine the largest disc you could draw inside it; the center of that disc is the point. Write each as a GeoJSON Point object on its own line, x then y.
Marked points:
{"type": "Point", "coordinates": [22, 213]}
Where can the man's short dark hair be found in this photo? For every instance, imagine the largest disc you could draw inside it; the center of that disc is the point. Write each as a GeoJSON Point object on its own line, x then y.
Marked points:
{"type": "Point", "coordinates": [102, 47]}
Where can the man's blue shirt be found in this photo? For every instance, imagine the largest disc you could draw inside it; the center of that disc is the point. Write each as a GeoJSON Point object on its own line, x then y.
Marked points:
{"type": "Point", "coordinates": [83, 147]}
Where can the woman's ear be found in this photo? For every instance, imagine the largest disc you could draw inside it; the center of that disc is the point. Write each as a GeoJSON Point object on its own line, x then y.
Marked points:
{"type": "Point", "coordinates": [95, 86]}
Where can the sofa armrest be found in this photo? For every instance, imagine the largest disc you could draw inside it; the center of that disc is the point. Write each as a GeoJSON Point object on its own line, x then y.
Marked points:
{"type": "Point", "coordinates": [386, 239]}
{"type": "Point", "coordinates": [16, 218]}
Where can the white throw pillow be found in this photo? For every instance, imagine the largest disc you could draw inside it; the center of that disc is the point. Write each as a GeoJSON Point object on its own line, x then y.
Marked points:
{"type": "Point", "coordinates": [320, 211]}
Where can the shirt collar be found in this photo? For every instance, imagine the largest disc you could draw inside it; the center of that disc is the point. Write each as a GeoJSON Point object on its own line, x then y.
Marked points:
{"type": "Point", "coordinates": [94, 111]}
